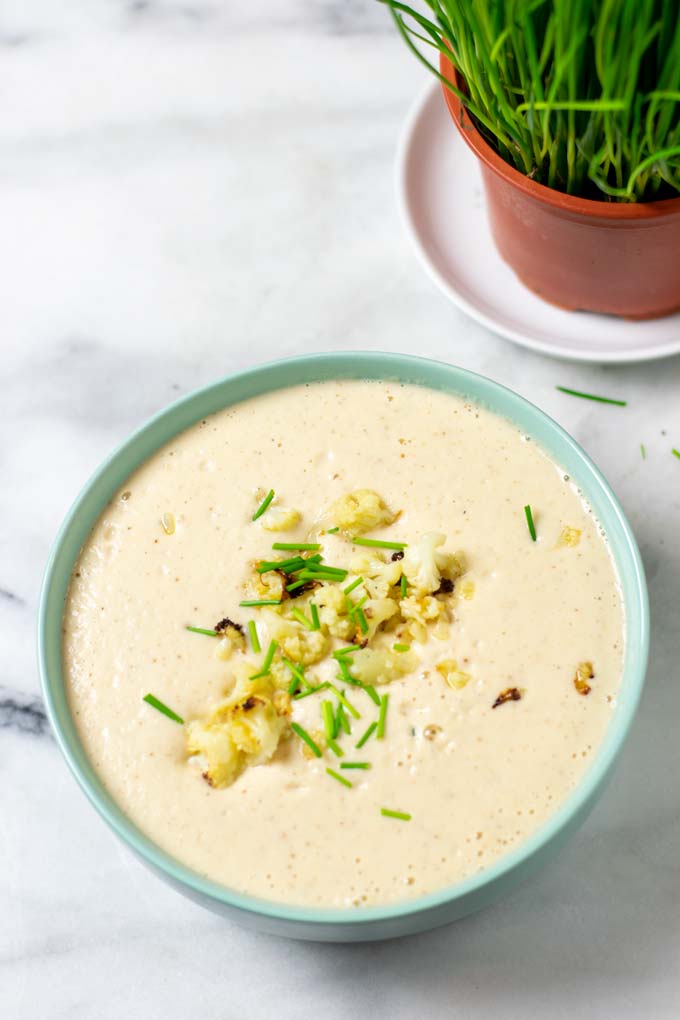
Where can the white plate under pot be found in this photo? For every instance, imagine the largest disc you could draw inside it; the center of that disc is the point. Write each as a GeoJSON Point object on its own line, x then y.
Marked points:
{"type": "Point", "coordinates": [442, 204]}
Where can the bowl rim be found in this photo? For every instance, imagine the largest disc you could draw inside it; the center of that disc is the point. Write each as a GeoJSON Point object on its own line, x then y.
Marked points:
{"type": "Point", "coordinates": [281, 374]}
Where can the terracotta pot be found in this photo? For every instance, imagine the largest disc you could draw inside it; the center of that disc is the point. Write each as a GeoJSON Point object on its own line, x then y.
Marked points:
{"type": "Point", "coordinates": [580, 254]}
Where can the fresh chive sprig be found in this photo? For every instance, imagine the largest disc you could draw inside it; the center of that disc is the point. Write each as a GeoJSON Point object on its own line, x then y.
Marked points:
{"type": "Point", "coordinates": [402, 816]}
{"type": "Point", "coordinates": [378, 543]}
{"type": "Point", "coordinates": [156, 703]}
{"type": "Point", "coordinates": [203, 630]}
{"type": "Point", "coordinates": [592, 396]}
{"type": "Point", "coordinates": [340, 779]}
{"type": "Point", "coordinates": [304, 736]}
{"type": "Point", "coordinates": [263, 505]}
{"type": "Point", "coordinates": [530, 522]}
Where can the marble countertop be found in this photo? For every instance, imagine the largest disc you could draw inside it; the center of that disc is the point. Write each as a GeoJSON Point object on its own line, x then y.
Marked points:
{"type": "Point", "coordinates": [189, 187]}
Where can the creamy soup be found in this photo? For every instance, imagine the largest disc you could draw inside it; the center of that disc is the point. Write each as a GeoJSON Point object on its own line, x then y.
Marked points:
{"type": "Point", "coordinates": [510, 666]}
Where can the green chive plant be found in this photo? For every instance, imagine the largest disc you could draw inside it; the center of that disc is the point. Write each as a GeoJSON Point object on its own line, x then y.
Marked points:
{"type": "Point", "coordinates": [580, 95]}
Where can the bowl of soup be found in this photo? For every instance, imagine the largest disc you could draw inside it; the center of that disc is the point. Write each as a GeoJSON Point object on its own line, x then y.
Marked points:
{"type": "Point", "coordinates": [344, 646]}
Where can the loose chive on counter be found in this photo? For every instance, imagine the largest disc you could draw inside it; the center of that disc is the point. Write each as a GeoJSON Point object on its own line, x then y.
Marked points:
{"type": "Point", "coordinates": [591, 396]}
{"type": "Point", "coordinates": [160, 707]}
{"type": "Point", "coordinates": [263, 505]}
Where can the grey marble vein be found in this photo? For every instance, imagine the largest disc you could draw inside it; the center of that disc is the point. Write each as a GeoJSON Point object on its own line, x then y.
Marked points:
{"type": "Point", "coordinates": [22, 713]}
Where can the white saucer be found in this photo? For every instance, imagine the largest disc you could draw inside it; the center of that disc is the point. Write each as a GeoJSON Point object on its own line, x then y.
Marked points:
{"type": "Point", "coordinates": [440, 195]}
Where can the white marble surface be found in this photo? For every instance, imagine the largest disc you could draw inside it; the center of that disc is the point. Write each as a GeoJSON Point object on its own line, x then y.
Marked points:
{"type": "Point", "coordinates": [188, 187]}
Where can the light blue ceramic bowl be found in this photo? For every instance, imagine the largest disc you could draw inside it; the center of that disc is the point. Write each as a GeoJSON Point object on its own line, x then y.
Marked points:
{"type": "Point", "coordinates": [451, 902]}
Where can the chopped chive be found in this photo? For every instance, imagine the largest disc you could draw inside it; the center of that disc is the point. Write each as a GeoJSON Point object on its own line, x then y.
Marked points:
{"type": "Point", "coordinates": [367, 735]}
{"type": "Point", "coordinates": [287, 566]}
{"type": "Point", "coordinates": [332, 531]}
{"type": "Point", "coordinates": [160, 707]}
{"type": "Point", "coordinates": [643, 451]}
{"type": "Point", "coordinates": [294, 546]}
{"type": "Point", "coordinates": [342, 722]}
{"type": "Point", "coordinates": [363, 622]}
{"type": "Point", "coordinates": [297, 584]}
{"type": "Point", "coordinates": [376, 543]}
{"type": "Point", "coordinates": [298, 674]}
{"type": "Point", "coordinates": [355, 765]}
{"type": "Point", "coordinates": [328, 719]}
{"type": "Point", "coordinates": [260, 602]}
{"type": "Point", "coordinates": [382, 717]}
{"type": "Point", "coordinates": [322, 570]}
{"type": "Point", "coordinates": [372, 693]}
{"type": "Point", "coordinates": [348, 705]}
{"type": "Point", "coordinates": [271, 651]}
{"type": "Point", "coordinates": [304, 735]}
{"type": "Point", "coordinates": [301, 618]}
{"type": "Point", "coordinates": [530, 522]}
{"type": "Point", "coordinates": [676, 453]}
{"type": "Point", "coordinates": [340, 779]}
{"type": "Point", "coordinates": [263, 505]}
{"type": "Point", "coordinates": [401, 648]}
{"type": "Point", "coordinates": [403, 584]}
{"type": "Point", "coordinates": [254, 639]}
{"type": "Point", "coordinates": [316, 622]}
{"type": "Point", "coordinates": [203, 630]}
{"type": "Point", "coordinates": [591, 396]}
{"type": "Point", "coordinates": [353, 585]}
{"type": "Point", "coordinates": [345, 651]}
{"type": "Point", "coordinates": [344, 672]}
{"type": "Point", "coordinates": [335, 748]}
{"type": "Point", "coordinates": [293, 685]}
{"type": "Point", "coordinates": [312, 690]}
{"type": "Point", "coordinates": [403, 816]}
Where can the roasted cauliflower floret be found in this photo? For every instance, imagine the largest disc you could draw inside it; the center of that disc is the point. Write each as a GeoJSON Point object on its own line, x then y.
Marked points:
{"type": "Point", "coordinates": [425, 564]}
{"type": "Point", "coordinates": [379, 576]}
{"type": "Point", "coordinates": [266, 586]}
{"type": "Point", "coordinates": [244, 730]}
{"type": "Point", "coordinates": [382, 665]}
{"type": "Point", "coordinates": [377, 612]}
{"type": "Point", "coordinates": [419, 613]}
{"type": "Point", "coordinates": [298, 644]}
{"type": "Point", "coordinates": [280, 518]}
{"type": "Point", "coordinates": [360, 511]}
{"type": "Point", "coordinates": [231, 638]}
{"type": "Point", "coordinates": [332, 606]}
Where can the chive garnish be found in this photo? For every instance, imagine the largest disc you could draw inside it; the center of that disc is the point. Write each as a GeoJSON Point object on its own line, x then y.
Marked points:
{"type": "Point", "coordinates": [372, 693]}
{"type": "Point", "coordinates": [403, 584]}
{"type": "Point", "coordinates": [301, 618]}
{"type": "Point", "coordinates": [363, 622]}
{"type": "Point", "coordinates": [367, 735]}
{"type": "Point", "coordinates": [160, 707]}
{"type": "Point", "coordinates": [254, 639]}
{"type": "Point", "coordinates": [297, 584]}
{"type": "Point", "coordinates": [344, 672]}
{"type": "Point", "coordinates": [530, 522]}
{"type": "Point", "coordinates": [260, 602]}
{"type": "Point", "coordinates": [355, 765]}
{"type": "Point", "coordinates": [643, 451]}
{"type": "Point", "coordinates": [376, 543]}
{"type": "Point", "coordinates": [294, 546]}
{"type": "Point", "coordinates": [401, 648]}
{"type": "Point", "coordinates": [335, 748]}
{"type": "Point", "coordinates": [298, 674]}
{"type": "Point", "coordinates": [304, 735]}
{"type": "Point", "coordinates": [676, 453]}
{"type": "Point", "coordinates": [345, 651]}
{"type": "Point", "coordinates": [323, 570]}
{"type": "Point", "coordinates": [287, 566]}
{"type": "Point", "coordinates": [263, 505]}
{"type": "Point", "coordinates": [332, 531]}
{"type": "Point", "coordinates": [316, 622]}
{"type": "Point", "coordinates": [312, 690]}
{"type": "Point", "coordinates": [382, 717]}
{"type": "Point", "coordinates": [203, 630]}
{"type": "Point", "coordinates": [353, 585]}
{"type": "Point", "coordinates": [340, 779]}
{"type": "Point", "coordinates": [341, 698]}
{"type": "Point", "coordinates": [403, 816]}
{"type": "Point", "coordinates": [328, 719]}
{"type": "Point", "coordinates": [341, 720]}
{"type": "Point", "coordinates": [267, 661]}
{"type": "Point", "coordinates": [591, 396]}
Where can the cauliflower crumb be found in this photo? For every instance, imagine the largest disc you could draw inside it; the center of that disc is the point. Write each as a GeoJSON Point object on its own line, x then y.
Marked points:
{"type": "Point", "coordinates": [279, 518]}
{"type": "Point", "coordinates": [454, 677]}
{"type": "Point", "coordinates": [361, 511]}
{"type": "Point", "coordinates": [425, 564]}
{"type": "Point", "coordinates": [382, 665]}
{"type": "Point", "coordinates": [569, 537]}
